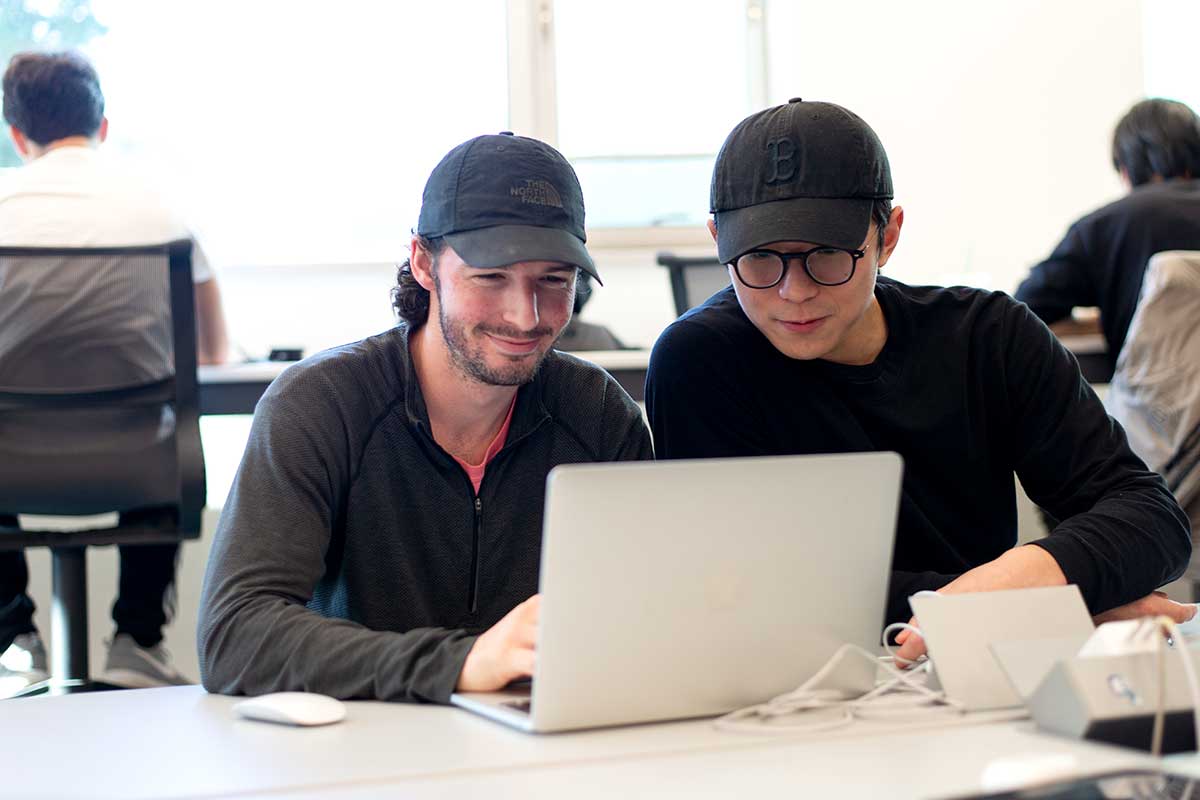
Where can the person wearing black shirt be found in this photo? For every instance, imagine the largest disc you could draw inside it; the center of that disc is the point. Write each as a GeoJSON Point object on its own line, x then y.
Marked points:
{"type": "Point", "coordinates": [807, 352]}
{"type": "Point", "coordinates": [1102, 259]}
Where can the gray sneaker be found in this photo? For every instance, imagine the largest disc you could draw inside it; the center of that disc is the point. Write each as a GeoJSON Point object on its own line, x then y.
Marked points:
{"type": "Point", "coordinates": [22, 665]}
{"type": "Point", "coordinates": [132, 666]}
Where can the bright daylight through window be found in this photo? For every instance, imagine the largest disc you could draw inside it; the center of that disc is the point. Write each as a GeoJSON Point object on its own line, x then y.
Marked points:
{"type": "Point", "coordinates": [287, 132]}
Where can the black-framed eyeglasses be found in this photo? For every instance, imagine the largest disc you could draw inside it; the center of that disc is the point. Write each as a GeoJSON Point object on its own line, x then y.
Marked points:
{"type": "Point", "coordinates": [827, 266]}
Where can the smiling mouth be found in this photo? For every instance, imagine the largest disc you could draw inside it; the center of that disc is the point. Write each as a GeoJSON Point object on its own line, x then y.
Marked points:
{"type": "Point", "coordinates": [802, 325]}
{"type": "Point", "coordinates": [516, 346]}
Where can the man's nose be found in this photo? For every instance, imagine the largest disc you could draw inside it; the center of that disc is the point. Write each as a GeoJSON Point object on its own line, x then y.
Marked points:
{"type": "Point", "coordinates": [521, 307]}
{"type": "Point", "coordinates": [796, 286]}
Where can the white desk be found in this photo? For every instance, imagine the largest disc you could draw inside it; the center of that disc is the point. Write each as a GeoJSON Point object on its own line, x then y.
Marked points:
{"type": "Point", "coordinates": [180, 742]}
{"type": "Point", "coordinates": [235, 388]}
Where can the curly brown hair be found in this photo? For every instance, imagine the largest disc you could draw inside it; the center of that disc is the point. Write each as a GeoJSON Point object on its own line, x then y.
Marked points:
{"type": "Point", "coordinates": [409, 298]}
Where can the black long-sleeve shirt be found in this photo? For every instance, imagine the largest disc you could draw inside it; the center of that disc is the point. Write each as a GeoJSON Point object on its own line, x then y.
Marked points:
{"type": "Point", "coordinates": [354, 557]}
{"type": "Point", "coordinates": [970, 387]}
{"type": "Point", "coordinates": [1102, 259]}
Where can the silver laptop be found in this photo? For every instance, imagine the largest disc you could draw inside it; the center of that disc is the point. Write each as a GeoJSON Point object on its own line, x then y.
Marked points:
{"type": "Point", "coordinates": [964, 632]}
{"type": "Point", "coordinates": [678, 589]}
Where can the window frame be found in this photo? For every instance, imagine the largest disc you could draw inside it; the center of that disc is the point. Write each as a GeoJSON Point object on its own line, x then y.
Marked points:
{"type": "Point", "coordinates": [532, 100]}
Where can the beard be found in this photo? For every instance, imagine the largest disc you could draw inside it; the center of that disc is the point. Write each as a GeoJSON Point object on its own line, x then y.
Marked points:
{"type": "Point", "coordinates": [469, 356]}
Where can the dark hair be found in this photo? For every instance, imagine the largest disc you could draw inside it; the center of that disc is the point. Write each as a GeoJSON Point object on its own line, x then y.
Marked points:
{"type": "Point", "coordinates": [583, 290]}
{"type": "Point", "coordinates": [52, 96]}
{"type": "Point", "coordinates": [409, 298]}
{"type": "Point", "coordinates": [1157, 138]}
{"type": "Point", "coordinates": [881, 213]}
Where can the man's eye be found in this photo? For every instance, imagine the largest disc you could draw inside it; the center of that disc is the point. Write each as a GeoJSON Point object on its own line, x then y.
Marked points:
{"type": "Point", "coordinates": [758, 256]}
{"type": "Point", "coordinates": [554, 280]}
{"type": "Point", "coordinates": [491, 277]}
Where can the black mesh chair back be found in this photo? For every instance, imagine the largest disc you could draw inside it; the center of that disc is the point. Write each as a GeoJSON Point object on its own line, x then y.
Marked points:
{"type": "Point", "coordinates": [98, 407]}
{"type": "Point", "coordinates": [693, 280]}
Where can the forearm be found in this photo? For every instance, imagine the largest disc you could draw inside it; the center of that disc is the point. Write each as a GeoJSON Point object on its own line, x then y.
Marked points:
{"type": "Point", "coordinates": [1061, 282]}
{"type": "Point", "coordinates": [212, 337]}
{"type": "Point", "coordinates": [1022, 567]}
{"type": "Point", "coordinates": [1121, 535]}
{"type": "Point", "coordinates": [268, 644]}
{"type": "Point", "coordinates": [1129, 544]}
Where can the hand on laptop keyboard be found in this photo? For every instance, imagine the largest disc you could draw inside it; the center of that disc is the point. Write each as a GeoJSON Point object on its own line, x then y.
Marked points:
{"type": "Point", "coordinates": [504, 652]}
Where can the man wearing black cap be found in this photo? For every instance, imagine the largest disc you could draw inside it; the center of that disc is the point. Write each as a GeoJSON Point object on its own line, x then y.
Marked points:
{"type": "Point", "coordinates": [383, 534]}
{"type": "Point", "coordinates": [810, 352]}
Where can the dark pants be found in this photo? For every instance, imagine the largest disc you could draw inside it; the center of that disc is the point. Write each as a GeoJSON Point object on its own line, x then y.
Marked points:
{"type": "Point", "coordinates": [146, 576]}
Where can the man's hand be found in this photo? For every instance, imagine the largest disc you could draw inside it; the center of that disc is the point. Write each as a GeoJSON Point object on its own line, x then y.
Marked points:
{"type": "Point", "coordinates": [1020, 568]}
{"type": "Point", "coordinates": [1152, 605]}
{"type": "Point", "coordinates": [912, 646]}
{"type": "Point", "coordinates": [504, 652]}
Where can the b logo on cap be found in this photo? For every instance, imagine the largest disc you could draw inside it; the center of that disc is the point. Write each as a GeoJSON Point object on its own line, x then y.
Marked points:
{"type": "Point", "coordinates": [783, 160]}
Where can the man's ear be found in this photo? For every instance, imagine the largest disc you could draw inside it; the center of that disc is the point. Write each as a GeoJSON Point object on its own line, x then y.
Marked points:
{"type": "Point", "coordinates": [102, 133]}
{"type": "Point", "coordinates": [712, 228]}
{"type": "Point", "coordinates": [891, 235]}
{"type": "Point", "coordinates": [19, 140]}
{"type": "Point", "coordinates": [420, 261]}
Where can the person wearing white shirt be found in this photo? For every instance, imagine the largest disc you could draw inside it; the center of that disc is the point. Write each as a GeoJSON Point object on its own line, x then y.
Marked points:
{"type": "Point", "coordinates": [69, 195]}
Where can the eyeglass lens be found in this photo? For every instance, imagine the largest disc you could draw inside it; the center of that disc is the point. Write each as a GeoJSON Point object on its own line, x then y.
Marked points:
{"type": "Point", "coordinates": [827, 266]}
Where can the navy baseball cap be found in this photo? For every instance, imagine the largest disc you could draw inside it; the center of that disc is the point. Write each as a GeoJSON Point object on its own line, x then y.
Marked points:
{"type": "Point", "coordinates": [499, 199]}
{"type": "Point", "coordinates": [802, 171]}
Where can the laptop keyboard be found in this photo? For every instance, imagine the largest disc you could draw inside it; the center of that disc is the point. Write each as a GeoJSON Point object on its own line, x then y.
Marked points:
{"type": "Point", "coordinates": [519, 705]}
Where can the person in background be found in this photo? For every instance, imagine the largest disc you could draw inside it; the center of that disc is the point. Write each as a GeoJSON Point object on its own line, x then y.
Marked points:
{"type": "Point", "coordinates": [810, 350]}
{"type": "Point", "coordinates": [382, 537]}
{"type": "Point", "coordinates": [1102, 259]}
{"type": "Point", "coordinates": [69, 195]}
{"type": "Point", "coordinates": [580, 335]}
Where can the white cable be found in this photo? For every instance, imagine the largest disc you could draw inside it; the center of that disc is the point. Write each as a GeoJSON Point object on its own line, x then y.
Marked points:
{"type": "Point", "coordinates": [887, 633]}
{"type": "Point", "coordinates": [903, 696]}
{"type": "Point", "coordinates": [1189, 669]}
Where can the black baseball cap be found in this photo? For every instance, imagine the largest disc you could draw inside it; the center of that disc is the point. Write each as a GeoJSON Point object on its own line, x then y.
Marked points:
{"type": "Point", "coordinates": [501, 198]}
{"type": "Point", "coordinates": [803, 171]}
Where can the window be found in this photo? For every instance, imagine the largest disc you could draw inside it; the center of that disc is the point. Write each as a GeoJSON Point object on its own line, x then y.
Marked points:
{"type": "Point", "coordinates": [646, 93]}
{"type": "Point", "coordinates": [290, 132]}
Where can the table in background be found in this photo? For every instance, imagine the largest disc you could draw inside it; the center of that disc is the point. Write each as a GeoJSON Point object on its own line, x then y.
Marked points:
{"type": "Point", "coordinates": [1091, 351]}
{"type": "Point", "coordinates": [236, 388]}
{"type": "Point", "coordinates": [181, 742]}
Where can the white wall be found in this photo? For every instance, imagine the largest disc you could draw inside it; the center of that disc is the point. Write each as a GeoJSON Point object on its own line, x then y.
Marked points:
{"type": "Point", "coordinates": [996, 116]}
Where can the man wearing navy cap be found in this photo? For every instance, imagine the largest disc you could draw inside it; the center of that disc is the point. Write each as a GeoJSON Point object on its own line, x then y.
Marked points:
{"type": "Point", "coordinates": [383, 535]}
{"type": "Point", "coordinates": [812, 351]}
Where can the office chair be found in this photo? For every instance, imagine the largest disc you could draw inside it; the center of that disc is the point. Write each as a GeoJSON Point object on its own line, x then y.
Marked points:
{"type": "Point", "coordinates": [98, 412]}
{"type": "Point", "coordinates": [693, 280]}
{"type": "Point", "coordinates": [1155, 389]}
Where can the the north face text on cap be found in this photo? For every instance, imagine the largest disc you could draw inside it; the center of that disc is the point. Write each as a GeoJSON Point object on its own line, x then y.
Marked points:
{"type": "Point", "coordinates": [783, 160]}
{"type": "Point", "coordinates": [537, 192]}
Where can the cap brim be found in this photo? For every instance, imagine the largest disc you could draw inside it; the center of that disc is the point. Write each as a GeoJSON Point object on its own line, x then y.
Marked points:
{"type": "Point", "coordinates": [834, 221]}
{"type": "Point", "coordinates": [501, 245]}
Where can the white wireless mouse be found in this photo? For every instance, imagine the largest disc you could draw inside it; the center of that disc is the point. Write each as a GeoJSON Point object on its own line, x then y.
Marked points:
{"type": "Point", "coordinates": [292, 708]}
